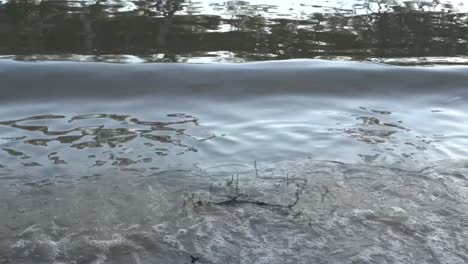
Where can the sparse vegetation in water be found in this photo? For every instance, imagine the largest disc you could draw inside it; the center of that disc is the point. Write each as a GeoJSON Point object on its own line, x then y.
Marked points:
{"type": "Point", "coordinates": [231, 193]}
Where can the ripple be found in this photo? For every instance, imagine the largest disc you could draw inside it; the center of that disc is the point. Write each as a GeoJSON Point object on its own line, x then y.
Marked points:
{"type": "Point", "coordinates": [127, 141]}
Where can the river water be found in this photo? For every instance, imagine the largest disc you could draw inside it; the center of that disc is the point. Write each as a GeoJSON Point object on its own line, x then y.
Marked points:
{"type": "Point", "coordinates": [354, 154]}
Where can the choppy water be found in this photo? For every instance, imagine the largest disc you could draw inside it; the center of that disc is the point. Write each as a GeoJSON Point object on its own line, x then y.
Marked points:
{"type": "Point", "coordinates": [323, 162]}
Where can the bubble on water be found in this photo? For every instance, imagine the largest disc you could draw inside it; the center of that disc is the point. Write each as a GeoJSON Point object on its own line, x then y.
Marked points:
{"type": "Point", "coordinates": [161, 228]}
{"type": "Point", "coordinates": [182, 232]}
{"type": "Point", "coordinates": [172, 241]}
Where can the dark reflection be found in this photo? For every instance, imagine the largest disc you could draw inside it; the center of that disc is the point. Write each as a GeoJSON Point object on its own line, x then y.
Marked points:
{"type": "Point", "coordinates": [118, 140]}
{"type": "Point", "coordinates": [405, 32]}
{"type": "Point", "coordinates": [372, 130]}
{"type": "Point", "coordinates": [385, 136]}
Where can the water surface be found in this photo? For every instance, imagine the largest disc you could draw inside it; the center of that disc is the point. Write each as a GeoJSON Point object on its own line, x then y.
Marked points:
{"type": "Point", "coordinates": [172, 131]}
{"type": "Point", "coordinates": [423, 32]}
{"type": "Point", "coordinates": [339, 162]}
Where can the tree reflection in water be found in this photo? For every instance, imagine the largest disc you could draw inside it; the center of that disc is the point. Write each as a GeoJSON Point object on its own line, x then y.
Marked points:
{"type": "Point", "coordinates": [178, 31]}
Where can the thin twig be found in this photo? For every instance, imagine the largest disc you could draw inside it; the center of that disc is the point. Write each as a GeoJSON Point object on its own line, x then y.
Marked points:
{"type": "Point", "coordinates": [256, 170]}
{"type": "Point", "coordinates": [324, 195]}
{"type": "Point", "coordinates": [234, 201]}
{"type": "Point", "coordinates": [298, 193]}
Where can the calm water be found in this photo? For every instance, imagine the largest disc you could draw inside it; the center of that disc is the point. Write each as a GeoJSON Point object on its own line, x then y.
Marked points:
{"type": "Point", "coordinates": [335, 143]}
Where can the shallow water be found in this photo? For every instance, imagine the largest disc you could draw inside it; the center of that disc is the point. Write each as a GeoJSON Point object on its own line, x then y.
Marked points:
{"type": "Point", "coordinates": [322, 162]}
{"type": "Point", "coordinates": [112, 158]}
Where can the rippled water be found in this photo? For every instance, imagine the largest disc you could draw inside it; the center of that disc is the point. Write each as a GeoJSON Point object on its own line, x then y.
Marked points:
{"type": "Point", "coordinates": [403, 32]}
{"type": "Point", "coordinates": [210, 156]}
{"type": "Point", "coordinates": [301, 161]}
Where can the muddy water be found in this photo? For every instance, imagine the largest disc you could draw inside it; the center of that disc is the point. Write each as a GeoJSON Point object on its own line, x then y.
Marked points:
{"type": "Point", "coordinates": [301, 161]}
